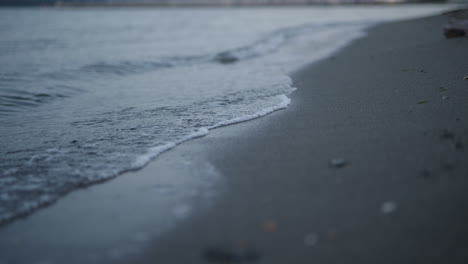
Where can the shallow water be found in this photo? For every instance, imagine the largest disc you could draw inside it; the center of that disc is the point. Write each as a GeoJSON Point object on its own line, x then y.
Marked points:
{"type": "Point", "coordinates": [87, 94]}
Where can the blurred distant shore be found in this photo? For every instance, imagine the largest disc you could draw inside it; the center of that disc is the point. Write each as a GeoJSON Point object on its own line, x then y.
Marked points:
{"type": "Point", "coordinates": [193, 3]}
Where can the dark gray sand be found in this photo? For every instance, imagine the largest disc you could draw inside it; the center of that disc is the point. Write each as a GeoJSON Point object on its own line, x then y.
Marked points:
{"type": "Point", "coordinates": [369, 164]}
{"type": "Point", "coordinates": [392, 111]}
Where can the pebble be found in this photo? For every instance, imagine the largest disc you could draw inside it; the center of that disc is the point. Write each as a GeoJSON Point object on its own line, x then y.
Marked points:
{"type": "Point", "coordinates": [337, 163]}
{"type": "Point", "coordinates": [311, 239]}
{"type": "Point", "coordinates": [388, 207]}
{"type": "Point", "coordinates": [226, 58]}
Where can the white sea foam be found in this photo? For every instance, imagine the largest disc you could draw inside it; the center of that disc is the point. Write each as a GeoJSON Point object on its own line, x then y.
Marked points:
{"type": "Point", "coordinates": [153, 152]}
{"type": "Point", "coordinates": [285, 101]}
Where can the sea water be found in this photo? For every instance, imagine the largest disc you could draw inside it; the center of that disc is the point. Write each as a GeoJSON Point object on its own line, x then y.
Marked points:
{"type": "Point", "coordinates": [88, 94]}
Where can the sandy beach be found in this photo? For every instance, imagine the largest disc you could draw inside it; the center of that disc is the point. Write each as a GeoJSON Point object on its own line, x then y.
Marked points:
{"type": "Point", "coordinates": [368, 164]}
{"type": "Point", "coordinates": [393, 107]}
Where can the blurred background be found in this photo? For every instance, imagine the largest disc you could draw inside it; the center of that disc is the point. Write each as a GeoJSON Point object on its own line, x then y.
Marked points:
{"type": "Point", "coordinates": [207, 2]}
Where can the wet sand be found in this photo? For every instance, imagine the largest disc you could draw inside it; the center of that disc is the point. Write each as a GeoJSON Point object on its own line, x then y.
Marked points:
{"type": "Point", "coordinates": [369, 164]}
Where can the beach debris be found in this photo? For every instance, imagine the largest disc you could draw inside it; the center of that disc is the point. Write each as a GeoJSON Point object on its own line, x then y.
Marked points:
{"type": "Point", "coordinates": [311, 239]}
{"type": "Point", "coordinates": [388, 207]}
{"type": "Point", "coordinates": [226, 58]}
{"type": "Point", "coordinates": [423, 102]}
{"type": "Point", "coordinates": [337, 163]}
{"type": "Point", "coordinates": [453, 32]}
{"type": "Point", "coordinates": [445, 97]}
{"type": "Point", "coordinates": [270, 226]}
{"type": "Point", "coordinates": [443, 89]}
{"type": "Point", "coordinates": [447, 134]}
{"type": "Point", "coordinates": [240, 252]}
{"type": "Point", "coordinates": [456, 29]}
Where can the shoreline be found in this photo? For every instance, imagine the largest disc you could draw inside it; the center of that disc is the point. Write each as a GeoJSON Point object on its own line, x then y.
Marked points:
{"type": "Point", "coordinates": [258, 201]}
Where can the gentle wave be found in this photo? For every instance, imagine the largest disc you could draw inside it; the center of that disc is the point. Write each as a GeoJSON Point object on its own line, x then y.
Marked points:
{"type": "Point", "coordinates": [56, 85]}
{"type": "Point", "coordinates": [266, 45]}
{"type": "Point", "coordinates": [19, 94]}
{"type": "Point", "coordinates": [13, 101]}
{"type": "Point", "coordinates": [131, 67]}
{"type": "Point", "coordinates": [154, 152]}
{"type": "Point", "coordinates": [34, 193]}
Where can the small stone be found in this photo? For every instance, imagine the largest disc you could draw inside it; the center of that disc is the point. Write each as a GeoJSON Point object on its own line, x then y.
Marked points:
{"type": "Point", "coordinates": [388, 207]}
{"type": "Point", "coordinates": [454, 32]}
{"type": "Point", "coordinates": [457, 28]}
{"type": "Point", "coordinates": [226, 58]}
{"type": "Point", "coordinates": [311, 239]}
{"type": "Point", "coordinates": [337, 163]}
{"type": "Point", "coordinates": [236, 253]}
